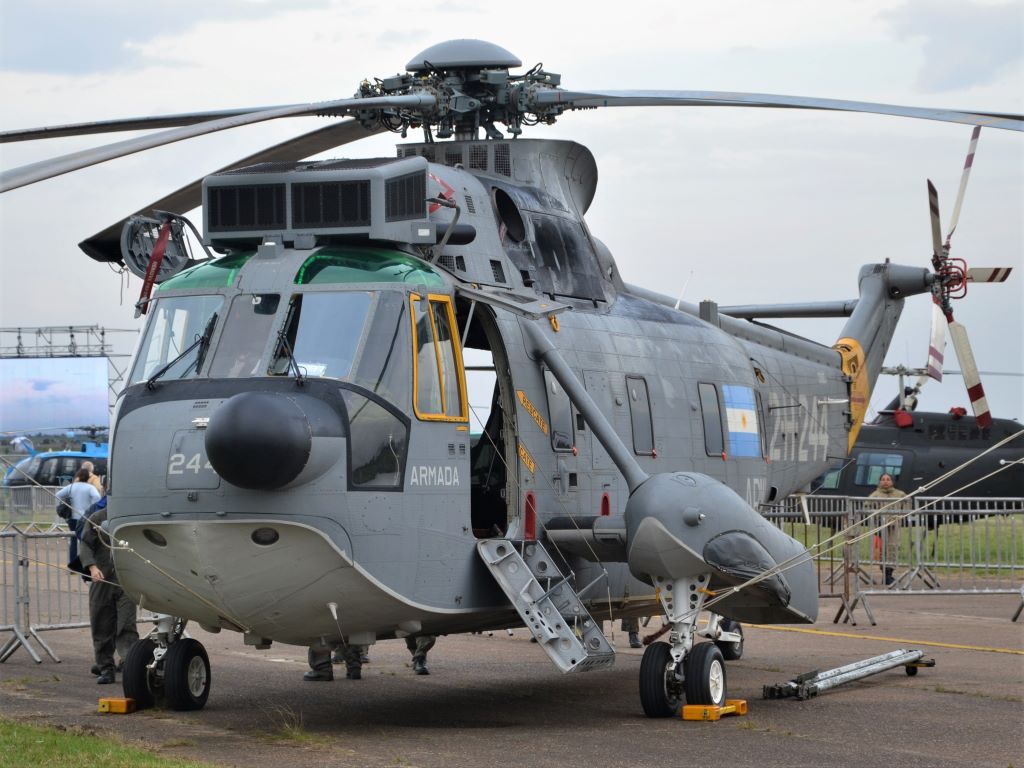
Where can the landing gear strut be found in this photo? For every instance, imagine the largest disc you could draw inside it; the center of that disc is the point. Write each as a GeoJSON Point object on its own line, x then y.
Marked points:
{"type": "Point", "coordinates": [167, 669]}
{"type": "Point", "coordinates": [679, 670]}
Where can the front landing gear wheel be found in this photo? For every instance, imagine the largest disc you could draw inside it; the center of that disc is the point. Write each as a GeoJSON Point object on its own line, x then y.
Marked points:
{"type": "Point", "coordinates": [705, 675]}
{"type": "Point", "coordinates": [186, 674]}
{"type": "Point", "coordinates": [731, 651]}
{"type": "Point", "coordinates": [135, 676]}
{"type": "Point", "coordinates": [661, 689]}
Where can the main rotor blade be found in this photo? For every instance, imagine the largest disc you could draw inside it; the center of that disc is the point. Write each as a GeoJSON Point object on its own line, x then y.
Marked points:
{"type": "Point", "coordinates": [106, 245]}
{"type": "Point", "coordinates": [124, 124]}
{"type": "Point", "coordinates": [936, 343]}
{"type": "Point", "coordinates": [579, 99]}
{"type": "Point", "coordinates": [30, 174]}
{"type": "Point", "coordinates": [968, 164]}
{"type": "Point", "coordinates": [972, 379]}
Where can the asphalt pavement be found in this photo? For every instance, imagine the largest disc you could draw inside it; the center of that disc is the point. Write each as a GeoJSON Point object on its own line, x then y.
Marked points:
{"type": "Point", "coordinates": [497, 700]}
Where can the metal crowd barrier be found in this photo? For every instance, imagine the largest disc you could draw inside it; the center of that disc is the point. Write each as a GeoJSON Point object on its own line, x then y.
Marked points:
{"type": "Point", "coordinates": [39, 593]}
{"type": "Point", "coordinates": [927, 546]}
{"type": "Point", "coordinates": [27, 502]}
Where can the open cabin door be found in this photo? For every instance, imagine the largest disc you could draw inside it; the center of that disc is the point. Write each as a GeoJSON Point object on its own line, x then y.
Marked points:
{"type": "Point", "coordinates": [493, 463]}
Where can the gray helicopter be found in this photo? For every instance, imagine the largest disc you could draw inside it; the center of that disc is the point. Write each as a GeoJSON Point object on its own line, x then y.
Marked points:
{"type": "Point", "coordinates": [292, 457]}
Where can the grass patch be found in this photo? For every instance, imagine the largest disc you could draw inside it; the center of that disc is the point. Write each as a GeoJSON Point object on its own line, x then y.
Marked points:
{"type": "Point", "coordinates": [31, 746]}
{"type": "Point", "coordinates": [289, 728]}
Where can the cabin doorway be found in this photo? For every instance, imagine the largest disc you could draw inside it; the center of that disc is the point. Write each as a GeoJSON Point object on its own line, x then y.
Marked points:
{"type": "Point", "coordinates": [493, 465]}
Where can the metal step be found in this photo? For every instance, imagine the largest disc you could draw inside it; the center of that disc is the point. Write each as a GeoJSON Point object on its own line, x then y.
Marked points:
{"type": "Point", "coordinates": [549, 606]}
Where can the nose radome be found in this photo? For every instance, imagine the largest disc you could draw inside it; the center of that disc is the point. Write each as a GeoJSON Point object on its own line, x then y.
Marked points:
{"type": "Point", "coordinates": [259, 440]}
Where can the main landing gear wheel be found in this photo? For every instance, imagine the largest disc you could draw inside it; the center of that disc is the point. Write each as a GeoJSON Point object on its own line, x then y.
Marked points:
{"type": "Point", "coordinates": [731, 651]}
{"type": "Point", "coordinates": [661, 689]}
{"type": "Point", "coordinates": [705, 675]}
{"type": "Point", "coordinates": [186, 674]}
{"type": "Point", "coordinates": [136, 675]}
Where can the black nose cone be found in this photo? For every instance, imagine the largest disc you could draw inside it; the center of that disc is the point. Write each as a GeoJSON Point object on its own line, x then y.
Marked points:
{"type": "Point", "coordinates": [258, 440]}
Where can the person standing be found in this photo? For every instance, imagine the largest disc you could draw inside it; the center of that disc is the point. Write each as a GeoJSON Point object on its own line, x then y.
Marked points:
{"type": "Point", "coordinates": [74, 502]}
{"type": "Point", "coordinates": [419, 646]}
{"type": "Point", "coordinates": [888, 492]}
{"type": "Point", "coordinates": [111, 612]}
{"type": "Point", "coordinates": [632, 627]}
{"type": "Point", "coordinates": [320, 658]}
{"type": "Point", "coordinates": [94, 479]}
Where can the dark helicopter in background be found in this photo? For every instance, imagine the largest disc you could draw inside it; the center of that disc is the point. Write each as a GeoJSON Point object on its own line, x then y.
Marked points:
{"type": "Point", "coordinates": [918, 447]}
{"type": "Point", "coordinates": [292, 457]}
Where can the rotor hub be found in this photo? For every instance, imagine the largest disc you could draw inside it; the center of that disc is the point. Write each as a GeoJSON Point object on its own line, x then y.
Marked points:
{"type": "Point", "coordinates": [471, 90]}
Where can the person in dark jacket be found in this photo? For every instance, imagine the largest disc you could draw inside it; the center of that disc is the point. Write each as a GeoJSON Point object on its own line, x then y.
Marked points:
{"type": "Point", "coordinates": [111, 613]}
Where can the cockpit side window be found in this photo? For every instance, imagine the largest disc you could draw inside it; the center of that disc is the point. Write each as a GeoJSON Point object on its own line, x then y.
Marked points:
{"type": "Point", "coordinates": [439, 381]}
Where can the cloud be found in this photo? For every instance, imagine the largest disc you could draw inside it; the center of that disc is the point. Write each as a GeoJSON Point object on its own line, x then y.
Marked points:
{"type": "Point", "coordinates": [965, 44]}
{"type": "Point", "coordinates": [90, 36]}
{"type": "Point", "coordinates": [41, 385]}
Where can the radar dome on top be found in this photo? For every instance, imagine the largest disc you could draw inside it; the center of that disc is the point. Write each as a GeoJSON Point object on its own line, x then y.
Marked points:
{"type": "Point", "coordinates": [463, 54]}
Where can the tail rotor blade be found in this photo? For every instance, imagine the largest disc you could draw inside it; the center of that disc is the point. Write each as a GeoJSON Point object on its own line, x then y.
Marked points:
{"type": "Point", "coordinates": [988, 274]}
{"type": "Point", "coordinates": [968, 163]}
{"type": "Point", "coordinates": [933, 206]}
{"type": "Point", "coordinates": [970, 372]}
{"type": "Point", "coordinates": [937, 343]}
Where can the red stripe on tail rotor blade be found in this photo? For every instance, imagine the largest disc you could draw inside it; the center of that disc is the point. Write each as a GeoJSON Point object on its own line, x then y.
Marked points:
{"type": "Point", "coordinates": [975, 393]}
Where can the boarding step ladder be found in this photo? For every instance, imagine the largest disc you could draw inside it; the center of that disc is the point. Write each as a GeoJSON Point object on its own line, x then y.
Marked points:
{"type": "Point", "coordinates": [548, 605]}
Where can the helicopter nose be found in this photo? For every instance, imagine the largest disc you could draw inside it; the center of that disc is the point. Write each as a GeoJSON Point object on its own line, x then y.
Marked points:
{"type": "Point", "coordinates": [262, 440]}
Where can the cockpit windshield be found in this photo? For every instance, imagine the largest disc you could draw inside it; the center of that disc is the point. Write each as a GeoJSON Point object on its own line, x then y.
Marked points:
{"type": "Point", "coordinates": [323, 332]}
{"type": "Point", "coordinates": [177, 323]}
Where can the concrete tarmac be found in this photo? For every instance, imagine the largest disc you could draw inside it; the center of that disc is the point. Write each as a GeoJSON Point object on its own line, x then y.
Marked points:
{"type": "Point", "coordinates": [497, 700]}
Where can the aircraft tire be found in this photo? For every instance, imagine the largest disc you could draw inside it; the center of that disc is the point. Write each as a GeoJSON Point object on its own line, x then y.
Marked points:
{"type": "Point", "coordinates": [661, 691]}
{"type": "Point", "coordinates": [705, 675]}
{"type": "Point", "coordinates": [135, 673]}
{"type": "Point", "coordinates": [731, 651]}
{"type": "Point", "coordinates": [186, 675]}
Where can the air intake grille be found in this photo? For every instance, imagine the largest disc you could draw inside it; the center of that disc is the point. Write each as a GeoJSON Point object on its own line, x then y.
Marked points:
{"type": "Point", "coordinates": [453, 156]}
{"type": "Point", "coordinates": [246, 207]}
{"type": "Point", "coordinates": [478, 157]}
{"type": "Point", "coordinates": [405, 197]}
{"type": "Point", "coordinates": [502, 160]}
{"type": "Point", "coordinates": [331, 204]}
{"type": "Point", "coordinates": [498, 271]}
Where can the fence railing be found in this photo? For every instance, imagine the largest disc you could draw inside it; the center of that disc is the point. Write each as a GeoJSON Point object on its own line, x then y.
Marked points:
{"type": "Point", "coordinates": [920, 546]}
{"type": "Point", "coordinates": [28, 502]}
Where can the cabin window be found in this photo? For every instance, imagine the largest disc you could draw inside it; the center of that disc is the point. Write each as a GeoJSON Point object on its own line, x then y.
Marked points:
{"type": "Point", "coordinates": [438, 378]}
{"type": "Point", "coordinates": [377, 444]}
{"type": "Point", "coordinates": [871, 466]}
{"type": "Point", "coordinates": [245, 335]}
{"type": "Point", "coordinates": [830, 480]}
{"type": "Point", "coordinates": [763, 426]}
{"type": "Point", "coordinates": [640, 415]}
{"type": "Point", "coordinates": [559, 414]}
{"type": "Point", "coordinates": [714, 442]}
{"type": "Point", "coordinates": [176, 323]}
{"type": "Point", "coordinates": [323, 332]}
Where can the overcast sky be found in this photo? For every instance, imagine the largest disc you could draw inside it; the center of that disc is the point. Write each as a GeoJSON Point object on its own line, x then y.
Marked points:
{"type": "Point", "coordinates": [748, 205]}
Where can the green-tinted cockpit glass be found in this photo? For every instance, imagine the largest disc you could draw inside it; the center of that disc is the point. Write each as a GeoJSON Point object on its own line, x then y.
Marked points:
{"type": "Point", "coordinates": [220, 273]}
{"type": "Point", "coordinates": [365, 265]}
